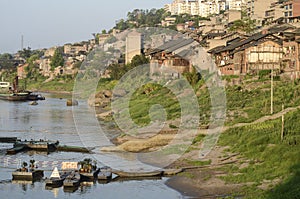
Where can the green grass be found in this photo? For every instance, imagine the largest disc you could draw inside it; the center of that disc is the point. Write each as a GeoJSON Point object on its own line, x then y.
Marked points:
{"type": "Point", "coordinates": [198, 162]}
{"type": "Point", "coordinates": [269, 157]}
{"type": "Point", "coordinates": [144, 98]}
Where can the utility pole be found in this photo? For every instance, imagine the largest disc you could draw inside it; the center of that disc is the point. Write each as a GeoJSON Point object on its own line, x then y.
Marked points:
{"type": "Point", "coordinates": [282, 123]}
{"type": "Point", "coordinates": [272, 78]}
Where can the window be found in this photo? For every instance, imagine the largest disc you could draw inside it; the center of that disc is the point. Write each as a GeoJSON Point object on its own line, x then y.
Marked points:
{"type": "Point", "coordinates": [291, 6]}
{"type": "Point", "coordinates": [286, 14]}
{"type": "Point", "coordinates": [290, 13]}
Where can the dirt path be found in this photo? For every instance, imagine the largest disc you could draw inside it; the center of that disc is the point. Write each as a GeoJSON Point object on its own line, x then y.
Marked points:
{"type": "Point", "coordinates": [264, 118]}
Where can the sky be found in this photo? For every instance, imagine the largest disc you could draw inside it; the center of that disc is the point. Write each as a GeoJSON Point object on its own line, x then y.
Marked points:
{"type": "Point", "coordinates": [47, 23]}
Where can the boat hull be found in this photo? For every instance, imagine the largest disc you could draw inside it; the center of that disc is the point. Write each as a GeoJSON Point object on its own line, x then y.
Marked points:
{"type": "Point", "coordinates": [104, 175]}
{"type": "Point", "coordinates": [72, 181]}
{"type": "Point", "coordinates": [29, 176]}
{"type": "Point", "coordinates": [56, 182]}
{"type": "Point", "coordinates": [125, 174]}
{"type": "Point", "coordinates": [14, 97]}
{"type": "Point", "coordinates": [89, 176]}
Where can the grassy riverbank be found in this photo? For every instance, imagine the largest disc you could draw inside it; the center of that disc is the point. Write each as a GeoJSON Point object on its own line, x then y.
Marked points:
{"type": "Point", "coordinates": [265, 167]}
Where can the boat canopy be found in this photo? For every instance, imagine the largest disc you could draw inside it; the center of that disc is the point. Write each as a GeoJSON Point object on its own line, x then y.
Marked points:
{"type": "Point", "coordinates": [55, 173]}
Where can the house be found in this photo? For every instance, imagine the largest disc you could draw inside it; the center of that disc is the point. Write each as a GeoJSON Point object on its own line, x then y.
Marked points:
{"type": "Point", "coordinates": [102, 38]}
{"type": "Point", "coordinates": [21, 71]}
{"type": "Point", "coordinates": [168, 21]}
{"type": "Point", "coordinates": [171, 58]}
{"type": "Point", "coordinates": [261, 51]}
{"type": "Point", "coordinates": [75, 49]}
{"type": "Point", "coordinates": [291, 56]}
{"type": "Point", "coordinates": [50, 52]}
{"type": "Point", "coordinates": [45, 68]}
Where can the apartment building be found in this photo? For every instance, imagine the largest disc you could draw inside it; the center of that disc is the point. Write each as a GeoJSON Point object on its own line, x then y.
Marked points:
{"type": "Point", "coordinates": [234, 4]}
{"type": "Point", "coordinates": [256, 9]}
{"type": "Point", "coordinates": [291, 11]}
{"type": "Point", "coordinates": [274, 13]}
{"type": "Point", "coordinates": [202, 8]}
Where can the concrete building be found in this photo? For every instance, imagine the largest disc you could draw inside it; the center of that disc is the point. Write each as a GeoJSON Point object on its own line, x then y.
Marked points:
{"type": "Point", "coordinates": [256, 9]}
{"type": "Point", "coordinates": [233, 15]}
{"type": "Point", "coordinates": [134, 46]}
{"type": "Point", "coordinates": [50, 52]}
{"type": "Point", "coordinates": [274, 13]}
{"type": "Point", "coordinates": [45, 68]}
{"type": "Point", "coordinates": [202, 8]}
{"type": "Point", "coordinates": [168, 21]}
{"type": "Point", "coordinates": [75, 49]}
{"type": "Point", "coordinates": [292, 11]}
{"type": "Point", "coordinates": [234, 4]}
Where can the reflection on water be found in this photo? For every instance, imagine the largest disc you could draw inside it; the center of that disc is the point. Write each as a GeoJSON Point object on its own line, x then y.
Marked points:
{"type": "Point", "coordinates": [52, 119]}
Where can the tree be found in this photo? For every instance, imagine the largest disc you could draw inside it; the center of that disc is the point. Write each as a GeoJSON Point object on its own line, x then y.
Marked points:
{"type": "Point", "coordinates": [246, 25]}
{"type": "Point", "coordinates": [25, 53]}
{"type": "Point", "coordinates": [193, 77]}
{"type": "Point", "coordinates": [57, 59]}
{"type": "Point", "coordinates": [139, 60]}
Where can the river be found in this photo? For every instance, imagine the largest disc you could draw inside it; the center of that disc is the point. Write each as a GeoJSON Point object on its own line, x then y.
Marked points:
{"type": "Point", "coordinates": [52, 119]}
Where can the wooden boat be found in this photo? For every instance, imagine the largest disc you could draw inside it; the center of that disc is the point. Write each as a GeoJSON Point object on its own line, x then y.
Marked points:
{"type": "Point", "coordinates": [104, 175]}
{"type": "Point", "coordinates": [34, 97]}
{"type": "Point", "coordinates": [8, 139]}
{"type": "Point", "coordinates": [169, 172]}
{"type": "Point", "coordinates": [89, 176]}
{"type": "Point", "coordinates": [72, 180]}
{"type": "Point", "coordinates": [56, 179]}
{"type": "Point", "coordinates": [125, 174]}
{"type": "Point", "coordinates": [14, 96]}
{"type": "Point", "coordinates": [30, 175]}
{"type": "Point", "coordinates": [88, 171]}
{"type": "Point", "coordinates": [40, 145]}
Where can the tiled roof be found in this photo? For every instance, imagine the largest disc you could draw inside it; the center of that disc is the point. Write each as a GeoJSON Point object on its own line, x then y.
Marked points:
{"type": "Point", "coordinates": [172, 45]}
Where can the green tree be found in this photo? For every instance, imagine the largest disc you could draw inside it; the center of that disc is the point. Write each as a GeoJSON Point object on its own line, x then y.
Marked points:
{"type": "Point", "coordinates": [138, 60]}
{"type": "Point", "coordinates": [193, 77]}
{"type": "Point", "coordinates": [57, 59]}
{"type": "Point", "coordinates": [25, 53]}
{"type": "Point", "coordinates": [246, 25]}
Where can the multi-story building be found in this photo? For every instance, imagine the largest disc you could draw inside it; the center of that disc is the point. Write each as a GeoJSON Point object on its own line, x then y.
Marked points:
{"type": "Point", "coordinates": [202, 8]}
{"type": "Point", "coordinates": [274, 13]}
{"type": "Point", "coordinates": [75, 49]}
{"type": "Point", "coordinates": [134, 46]}
{"type": "Point", "coordinates": [234, 4]}
{"type": "Point", "coordinates": [291, 10]}
{"type": "Point", "coordinates": [256, 9]}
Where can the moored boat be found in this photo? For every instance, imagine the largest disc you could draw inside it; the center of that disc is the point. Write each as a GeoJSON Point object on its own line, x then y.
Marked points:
{"type": "Point", "coordinates": [56, 179]}
{"type": "Point", "coordinates": [14, 96]}
{"type": "Point", "coordinates": [30, 174]}
{"type": "Point", "coordinates": [137, 174]}
{"type": "Point", "coordinates": [72, 180]}
{"type": "Point", "coordinates": [34, 97]}
{"type": "Point", "coordinates": [41, 145]}
{"type": "Point", "coordinates": [104, 175]}
{"type": "Point", "coordinates": [88, 171]}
